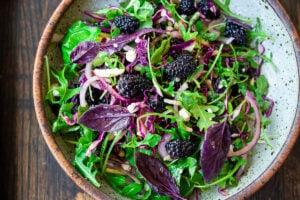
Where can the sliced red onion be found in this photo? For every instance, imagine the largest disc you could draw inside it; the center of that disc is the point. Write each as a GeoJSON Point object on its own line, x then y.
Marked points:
{"type": "Point", "coordinates": [222, 192]}
{"type": "Point", "coordinates": [67, 119]}
{"type": "Point", "coordinates": [175, 34]}
{"type": "Point", "coordinates": [270, 109]}
{"type": "Point", "coordinates": [162, 15]}
{"type": "Point", "coordinates": [162, 147]}
{"type": "Point", "coordinates": [261, 50]}
{"type": "Point", "coordinates": [179, 47]}
{"type": "Point", "coordinates": [251, 99]}
{"type": "Point", "coordinates": [183, 87]}
{"type": "Point", "coordinates": [88, 74]}
{"type": "Point", "coordinates": [238, 22]}
{"type": "Point", "coordinates": [94, 16]}
{"type": "Point", "coordinates": [107, 73]}
{"type": "Point", "coordinates": [84, 88]}
{"type": "Point", "coordinates": [105, 86]}
{"type": "Point", "coordinates": [94, 145]}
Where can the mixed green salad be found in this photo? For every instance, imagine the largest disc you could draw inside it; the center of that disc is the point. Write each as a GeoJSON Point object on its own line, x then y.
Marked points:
{"type": "Point", "coordinates": [162, 98]}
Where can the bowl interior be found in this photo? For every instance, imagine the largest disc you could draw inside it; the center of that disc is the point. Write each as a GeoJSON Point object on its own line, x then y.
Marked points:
{"type": "Point", "coordinates": [284, 85]}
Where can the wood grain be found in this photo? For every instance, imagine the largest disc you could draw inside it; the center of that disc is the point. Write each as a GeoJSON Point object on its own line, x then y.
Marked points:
{"type": "Point", "coordinates": [28, 170]}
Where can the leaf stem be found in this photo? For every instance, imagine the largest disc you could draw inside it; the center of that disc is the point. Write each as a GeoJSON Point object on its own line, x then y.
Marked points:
{"type": "Point", "coordinates": [237, 166]}
{"type": "Point", "coordinates": [213, 65]}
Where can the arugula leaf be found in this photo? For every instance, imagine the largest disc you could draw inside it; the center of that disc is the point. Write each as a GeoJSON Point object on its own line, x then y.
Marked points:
{"type": "Point", "coordinates": [177, 169]}
{"type": "Point", "coordinates": [132, 189]}
{"type": "Point", "coordinates": [262, 85]}
{"type": "Point", "coordinates": [204, 114]}
{"type": "Point", "coordinates": [60, 124]}
{"type": "Point", "coordinates": [186, 34]}
{"type": "Point", "coordinates": [77, 33]}
{"type": "Point", "coordinates": [142, 10]}
{"type": "Point", "coordinates": [84, 164]}
{"type": "Point", "coordinates": [210, 36]}
{"type": "Point", "coordinates": [150, 140]}
{"type": "Point", "coordinates": [227, 11]}
{"type": "Point", "coordinates": [161, 51]}
{"type": "Point", "coordinates": [64, 92]}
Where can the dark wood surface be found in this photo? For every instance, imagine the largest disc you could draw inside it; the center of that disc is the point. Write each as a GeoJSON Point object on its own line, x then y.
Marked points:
{"type": "Point", "coordinates": [27, 168]}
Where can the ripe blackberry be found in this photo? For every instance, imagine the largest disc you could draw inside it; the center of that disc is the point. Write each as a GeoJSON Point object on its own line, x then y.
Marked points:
{"type": "Point", "coordinates": [209, 9]}
{"type": "Point", "coordinates": [180, 148]}
{"type": "Point", "coordinates": [237, 32]}
{"type": "Point", "coordinates": [133, 85]}
{"type": "Point", "coordinates": [127, 24]}
{"type": "Point", "coordinates": [156, 103]}
{"type": "Point", "coordinates": [187, 7]}
{"type": "Point", "coordinates": [183, 66]}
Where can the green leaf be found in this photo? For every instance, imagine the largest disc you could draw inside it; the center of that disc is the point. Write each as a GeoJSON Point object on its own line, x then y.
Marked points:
{"type": "Point", "coordinates": [210, 36]}
{"type": "Point", "coordinates": [262, 85]}
{"type": "Point", "coordinates": [77, 33]}
{"type": "Point", "coordinates": [187, 34]}
{"type": "Point", "coordinates": [204, 114]}
{"type": "Point", "coordinates": [161, 51]}
{"type": "Point", "coordinates": [115, 33]}
{"type": "Point", "coordinates": [177, 169]}
{"type": "Point", "coordinates": [132, 189]}
{"type": "Point", "coordinates": [186, 187]}
{"type": "Point", "coordinates": [84, 164]}
{"type": "Point", "coordinates": [64, 92]}
{"type": "Point", "coordinates": [190, 99]}
{"type": "Point", "coordinates": [60, 123]}
{"type": "Point", "coordinates": [150, 140]}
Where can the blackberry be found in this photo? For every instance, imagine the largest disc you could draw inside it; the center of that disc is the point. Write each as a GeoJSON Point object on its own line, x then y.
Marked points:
{"type": "Point", "coordinates": [182, 67]}
{"type": "Point", "coordinates": [156, 103]}
{"type": "Point", "coordinates": [209, 9]}
{"type": "Point", "coordinates": [180, 148]}
{"type": "Point", "coordinates": [133, 85]}
{"type": "Point", "coordinates": [237, 32]}
{"type": "Point", "coordinates": [187, 7]}
{"type": "Point", "coordinates": [127, 24]}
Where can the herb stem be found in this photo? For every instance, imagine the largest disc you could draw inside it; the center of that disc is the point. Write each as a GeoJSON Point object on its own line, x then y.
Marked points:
{"type": "Point", "coordinates": [119, 135]}
{"type": "Point", "coordinates": [155, 83]}
{"type": "Point", "coordinates": [213, 65]}
{"type": "Point", "coordinates": [237, 166]}
{"type": "Point", "coordinates": [227, 11]}
{"type": "Point", "coordinates": [48, 72]}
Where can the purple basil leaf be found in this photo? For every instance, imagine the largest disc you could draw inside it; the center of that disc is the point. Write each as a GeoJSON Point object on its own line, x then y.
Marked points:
{"type": "Point", "coordinates": [106, 118]}
{"type": "Point", "coordinates": [120, 41]}
{"type": "Point", "coordinates": [214, 150]}
{"type": "Point", "coordinates": [157, 175]}
{"type": "Point", "coordinates": [84, 52]}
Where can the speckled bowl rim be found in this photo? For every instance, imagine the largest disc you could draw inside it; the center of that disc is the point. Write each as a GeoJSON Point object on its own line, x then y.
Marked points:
{"type": "Point", "coordinates": [95, 192]}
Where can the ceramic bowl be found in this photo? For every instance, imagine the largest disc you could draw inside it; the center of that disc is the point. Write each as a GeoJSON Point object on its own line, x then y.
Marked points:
{"type": "Point", "coordinates": [284, 90]}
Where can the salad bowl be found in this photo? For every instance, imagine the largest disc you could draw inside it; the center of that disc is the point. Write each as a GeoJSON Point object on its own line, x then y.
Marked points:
{"type": "Point", "coordinates": [283, 89]}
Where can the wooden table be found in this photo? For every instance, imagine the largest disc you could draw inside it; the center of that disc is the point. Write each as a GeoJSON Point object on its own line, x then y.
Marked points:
{"type": "Point", "coordinates": [27, 169]}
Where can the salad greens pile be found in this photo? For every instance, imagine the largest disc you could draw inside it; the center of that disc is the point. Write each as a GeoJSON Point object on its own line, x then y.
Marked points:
{"type": "Point", "coordinates": [200, 102]}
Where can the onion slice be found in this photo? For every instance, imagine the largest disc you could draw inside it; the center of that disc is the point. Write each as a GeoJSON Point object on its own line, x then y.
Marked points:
{"type": "Point", "coordinates": [162, 147]}
{"type": "Point", "coordinates": [107, 73]}
{"type": "Point", "coordinates": [251, 100]}
{"type": "Point", "coordinates": [84, 88]}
